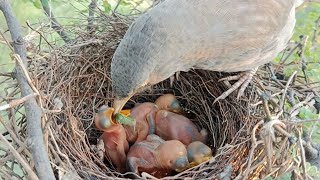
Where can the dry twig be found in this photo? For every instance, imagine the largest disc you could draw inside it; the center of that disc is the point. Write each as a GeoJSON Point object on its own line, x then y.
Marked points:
{"type": "Point", "coordinates": [25, 165]}
{"type": "Point", "coordinates": [33, 112]}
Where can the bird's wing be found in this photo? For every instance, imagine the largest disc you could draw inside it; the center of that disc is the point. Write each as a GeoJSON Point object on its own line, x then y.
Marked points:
{"type": "Point", "coordinates": [198, 33]}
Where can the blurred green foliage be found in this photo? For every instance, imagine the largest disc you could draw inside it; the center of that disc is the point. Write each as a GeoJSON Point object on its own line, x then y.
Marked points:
{"type": "Point", "coordinates": [306, 25]}
{"type": "Point", "coordinates": [67, 13]}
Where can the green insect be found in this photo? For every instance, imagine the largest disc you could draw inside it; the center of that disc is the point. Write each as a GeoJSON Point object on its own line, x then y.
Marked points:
{"type": "Point", "coordinates": [125, 120]}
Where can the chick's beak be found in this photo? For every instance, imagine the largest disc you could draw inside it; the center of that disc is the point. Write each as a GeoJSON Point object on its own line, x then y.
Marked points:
{"type": "Point", "coordinates": [119, 103]}
{"type": "Point", "coordinates": [181, 164]}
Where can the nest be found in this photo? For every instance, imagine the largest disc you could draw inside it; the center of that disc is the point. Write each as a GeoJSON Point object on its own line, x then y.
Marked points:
{"type": "Point", "coordinates": [251, 137]}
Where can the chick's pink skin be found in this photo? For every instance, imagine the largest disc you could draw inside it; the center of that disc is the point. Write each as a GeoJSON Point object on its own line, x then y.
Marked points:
{"type": "Point", "coordinates": [170, 126]}
{"type": "Point", "coordinates": [116, 146]}
{"type": "Point", "coordinates": [169, 102]}
{"type": "Point", "coordinates": [142, 113]}
{"type": "Point", "coordinates": [114, 138]}
{"type": "Point", "coordinates": [155, 156]}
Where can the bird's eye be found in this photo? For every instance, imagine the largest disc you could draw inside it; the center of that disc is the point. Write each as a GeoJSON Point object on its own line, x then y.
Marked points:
{"type": "Point", "coordinates": [104, 123]}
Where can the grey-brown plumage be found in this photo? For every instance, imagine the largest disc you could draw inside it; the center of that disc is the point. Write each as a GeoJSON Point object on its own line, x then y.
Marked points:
{"type": "Point", "coordinates": [179, 35]}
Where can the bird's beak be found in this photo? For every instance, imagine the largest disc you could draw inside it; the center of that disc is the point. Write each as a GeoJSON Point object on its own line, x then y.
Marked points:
{"type": "Point", "coordinates": [118, 103]}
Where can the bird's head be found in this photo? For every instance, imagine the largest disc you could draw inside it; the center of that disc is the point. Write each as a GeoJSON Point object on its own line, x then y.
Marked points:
{"type": "Point", "coordinates": [172, 154]}
{"type": "Point", "coordinates": [140, 60]}
{"type": "Point", "coordinates": [129, 76]}
{"type": "Point", "coordinates": [132, 72]}
{"type": "Point", "coordinates": [198, 152]}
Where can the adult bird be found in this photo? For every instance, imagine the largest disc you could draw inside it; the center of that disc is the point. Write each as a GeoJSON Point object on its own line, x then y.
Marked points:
{"type": "Point", "coordinates": [179, 35]}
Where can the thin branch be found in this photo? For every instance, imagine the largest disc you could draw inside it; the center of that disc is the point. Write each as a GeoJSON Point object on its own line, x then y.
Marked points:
{"type": "Point", "coordinates": [24, 164]}
{"type": "Point", "coordinates": [17, 102]}
{"type": "Point", "coordinates": [32, 109]}
{"type": "Point", "coordinates": [92, 7]}
{"type": "Point", "coordinates": [315, 34]}
{"type": "Point", "coordinates": [304, 41]}
{"type": "Point", "coordinates": [54, 22]}
{"type": "Point", "coordinates": [115, 9]}
{"type": "Point", "coordinates": [285, 89]}
{"type": "Point", "coordinates": [13, 135]}
{"type": "Point", "coordinates": [303, 157]}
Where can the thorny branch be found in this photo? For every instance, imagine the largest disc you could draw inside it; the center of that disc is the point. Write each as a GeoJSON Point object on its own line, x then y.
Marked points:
{"type": "Point", "coordinates": [33, 111]}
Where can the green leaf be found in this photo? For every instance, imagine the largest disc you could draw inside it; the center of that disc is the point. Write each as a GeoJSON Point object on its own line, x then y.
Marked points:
{"type": "Point", "coordinates": [312, 170]}
{"type": "Point", "coordinates": [107, 6]}
{"type": "Point", "coordinates": [44, 3]}
{"type": "Point", "coordinates": [37, 4]}
{"type": "Point", "coordinates": [125, 3]}
{"type": "Point", "coordinates": [306, 113]}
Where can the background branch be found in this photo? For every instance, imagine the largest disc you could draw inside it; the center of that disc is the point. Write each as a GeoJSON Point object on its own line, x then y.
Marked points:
{"type": "Point", "coordinates": [33, 111]}
{"type": "Point", "coordinates": [54, 22]}
{"type": "Point", "coordinates": [92, 7]}
{"type": "Point", "coordinates": [16, 154]}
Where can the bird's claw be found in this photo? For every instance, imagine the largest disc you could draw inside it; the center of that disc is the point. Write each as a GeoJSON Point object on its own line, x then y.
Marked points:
{"type": "Point", "coordinates": [99, 149]}
{"type": "Point", "coordinates": [174, 77]}
{"type": "Point", "coordinates": [244, 78]}
{"type": "Point", "coordinates": [231, 78]}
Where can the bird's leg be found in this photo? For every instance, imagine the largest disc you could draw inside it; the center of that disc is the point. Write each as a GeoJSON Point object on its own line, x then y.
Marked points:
{"type": "Point", "coordinates": [177, 75]}
{"type": "Point", "coordinates": [174, 77]}
{"type": "Point", "coordinates": [100, 149]}
{"type": "Point", "coordinates": [244, 78]}
{"type": "Point", "coordinates": [171, 80]}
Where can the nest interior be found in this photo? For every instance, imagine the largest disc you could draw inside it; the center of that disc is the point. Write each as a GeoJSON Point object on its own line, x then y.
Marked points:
{"type": "Point", "coordinates": [74, 81]}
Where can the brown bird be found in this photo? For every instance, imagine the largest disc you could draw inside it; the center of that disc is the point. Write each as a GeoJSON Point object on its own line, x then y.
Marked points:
{"type": "Point", "coordinates": [157, 157]}
{"type": "Point", "coordinates": [179, 35]}
{"type": "Point", "coordinates": [172, 126]}
{"type": "Point", "coordinates": [169, 102]}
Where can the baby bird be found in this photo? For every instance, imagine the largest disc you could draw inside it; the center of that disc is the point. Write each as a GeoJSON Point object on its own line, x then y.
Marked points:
{"type": "Point", "coordinates": [114, 137]}
{"type": "Point", "coordinates": [171, 126]}
{"type": "Point", "coordinates": [157, 157]}
{"type": "Point", "coordinates": [169, 102]}
{"type": "Point", "coordinates": [143, 114]}
{"type": "Point", "coordinates": [198, 153]}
